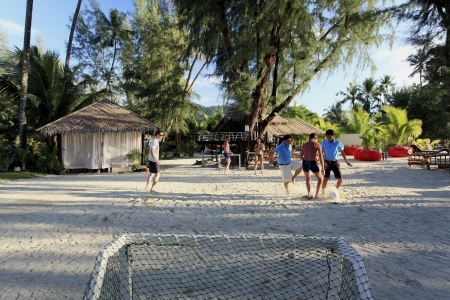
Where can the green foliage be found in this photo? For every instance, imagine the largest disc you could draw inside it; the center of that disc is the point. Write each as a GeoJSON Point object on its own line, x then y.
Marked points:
{"type": "Point", "coordinates": [397, 128]}
{"type": "Point", "coordinates": [135, 157]}
{"type": "Point", "coordinates": [362, 122]}
{"type": "Point", "coordinates": [293, 41]}
{"type": "Point", "coordinates": [6, 158]}
{"type": "Point", "coordinates": [18, 175]}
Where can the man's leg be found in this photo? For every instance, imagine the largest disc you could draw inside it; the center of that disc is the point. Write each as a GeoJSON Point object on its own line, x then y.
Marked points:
{"type": "Point", "coordinates": [228, 164]}
{"type": "Point", "coordinates": [319, 183]}
{"type": "Point", "coordinates": [308, 184]}
{"type": "Point", "coordinates": [324, 184]}
{"type": "Point", "coordinates": [147, 187]}
{"type": "Point", "coordinates": [296, 173]}
{"type": "Point", "coordinates": [286, 186]}
{"type": "Point", "coordinates": [155, 181]}
{"type": "Point", "coordinates": [339, 182]}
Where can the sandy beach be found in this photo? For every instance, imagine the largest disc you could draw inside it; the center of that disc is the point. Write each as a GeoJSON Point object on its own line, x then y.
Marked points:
{"type": "Point", "coordinates": [397, 218]}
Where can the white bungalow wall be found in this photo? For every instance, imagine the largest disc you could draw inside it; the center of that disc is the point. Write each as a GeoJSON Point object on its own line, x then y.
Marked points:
{"type": "Point", "coordinates": [87, 151]}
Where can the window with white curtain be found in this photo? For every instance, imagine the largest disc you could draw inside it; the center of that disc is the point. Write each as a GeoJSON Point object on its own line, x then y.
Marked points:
{"type": "Point", "coordinates": [116, 146]}
{"type": "Point", "coordinates": [82, 150]}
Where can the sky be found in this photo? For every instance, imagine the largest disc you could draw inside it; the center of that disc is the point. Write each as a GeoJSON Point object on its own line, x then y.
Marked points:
{"type": "Point", "coordinates": [51, 23]}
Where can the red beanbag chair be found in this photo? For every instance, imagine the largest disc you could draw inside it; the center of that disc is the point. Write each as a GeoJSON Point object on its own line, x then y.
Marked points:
{"type": "Point", "coordinates": [398, 151]}
{"type": "Point", "coordinates": [350, 150]}
{"type": "Point", "coordinates": [356, 154]}
{"type": "Point", "coordinates": [369, 155]}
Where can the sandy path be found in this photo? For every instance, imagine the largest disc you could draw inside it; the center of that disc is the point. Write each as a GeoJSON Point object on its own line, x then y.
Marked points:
{"type": "Point", "coordinates": [397, 218]}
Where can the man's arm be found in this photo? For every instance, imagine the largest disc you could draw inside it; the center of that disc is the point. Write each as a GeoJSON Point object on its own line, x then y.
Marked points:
{"type": "Point", "coordinates": [322, 160]}
{"type": "Point", "coordinates": [345, 158]}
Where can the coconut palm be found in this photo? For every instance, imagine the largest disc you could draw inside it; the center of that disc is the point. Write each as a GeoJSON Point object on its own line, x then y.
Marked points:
{"type": "Point", "coordinates": [351, 94]}
{"type": "Point", "coordinates": [72, 31]}
{"type": "Point", "coordinates": [370, 94]}
{"type": "Point", "coordinates": [52, 93]}
{"type": "Point", "coordinates": [24, 76]}
{"type": "Point", "coordinates": [386, 85]}
{"type": "Point", "coordinates": [363, 123]}
{"type": "Point", "coordinates": [111, 32]}
{"type": "Point", "coordinates": [418, 61]}
{"type": "Point", "coordinates": [397, 128]}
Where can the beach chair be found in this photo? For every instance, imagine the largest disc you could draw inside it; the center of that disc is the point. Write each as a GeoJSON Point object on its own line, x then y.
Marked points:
{"type": "Point", "coordinates": [440, 159]}
{"type": "Point", "coordinates": [421, 158]}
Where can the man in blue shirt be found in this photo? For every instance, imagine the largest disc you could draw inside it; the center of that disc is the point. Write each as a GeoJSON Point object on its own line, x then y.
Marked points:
{"type": "Point", "coordinates": [285, 162]}
{"type": "Point", "coordinates": [331, 148]}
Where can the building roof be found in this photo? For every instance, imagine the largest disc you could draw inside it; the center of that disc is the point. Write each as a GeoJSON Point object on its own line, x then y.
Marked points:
{"type": "Point", "coordinates": [102, 116]}
{"type": "Point", "coordinates": [280, 126]}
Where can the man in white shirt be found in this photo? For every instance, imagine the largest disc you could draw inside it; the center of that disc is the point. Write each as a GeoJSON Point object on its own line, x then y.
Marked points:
{"type": "Point", "coordinates": [154, 161]}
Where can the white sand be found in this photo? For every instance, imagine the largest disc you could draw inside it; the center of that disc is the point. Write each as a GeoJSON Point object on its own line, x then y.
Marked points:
{"type": "Point", "coordinates": [396, 217]}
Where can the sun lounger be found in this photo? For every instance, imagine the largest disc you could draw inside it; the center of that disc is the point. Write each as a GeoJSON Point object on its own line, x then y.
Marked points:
{"type": "Point", "coordinates": [441, 160]}
{"type": "Point", "coordinates": [420, 158]}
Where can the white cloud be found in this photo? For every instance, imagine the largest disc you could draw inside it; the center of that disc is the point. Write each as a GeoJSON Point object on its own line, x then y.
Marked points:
{"type": "Point", "coordinates": [11, 28]}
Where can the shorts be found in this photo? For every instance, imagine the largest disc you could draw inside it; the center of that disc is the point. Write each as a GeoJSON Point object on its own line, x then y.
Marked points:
{"type": "Point", "coordinates": [310, 165]}
{"type": "Point", "coordinates": [226, 155]}
{"type": "Point", "coordinates": [286, 170]}
{"type": "Point", "coordinates": [259, 155]}
{"type": "Point", "coordinates": [332, 166]}
{"type": "Point", "coordinates": [154, 167]}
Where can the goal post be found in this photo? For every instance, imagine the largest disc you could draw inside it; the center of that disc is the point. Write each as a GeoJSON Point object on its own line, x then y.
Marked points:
{"type": "Point", "coordinates": [171, 266]}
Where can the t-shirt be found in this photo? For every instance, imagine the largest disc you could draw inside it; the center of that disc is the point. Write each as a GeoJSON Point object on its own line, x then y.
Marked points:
{"type": "Point", "coordinates": [154, 144]}
{"type": "Point", "coordinates": [332, 149]}
{"type": "Point", "coordinates": [310, 149]}
{"type": "Point", "coordinates": [284, 153]}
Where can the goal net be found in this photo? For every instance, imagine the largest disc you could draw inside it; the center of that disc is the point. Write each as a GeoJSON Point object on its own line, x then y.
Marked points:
{"type": "Point", "coordinates": [169, 266]}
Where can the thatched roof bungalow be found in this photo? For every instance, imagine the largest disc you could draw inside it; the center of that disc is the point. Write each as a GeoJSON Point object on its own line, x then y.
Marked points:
{"type": "Point", "coordinates": [233, 124]}
{"type": "Point", "coordinates": [99, 136]}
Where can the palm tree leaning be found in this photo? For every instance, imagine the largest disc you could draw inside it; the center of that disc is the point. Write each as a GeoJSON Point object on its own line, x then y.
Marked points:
{"type": "Point", "coordinates": [397, 127]}
{"type": "Point", "coordinates": [111, 32]}
{"type": "Point", "coordinates": [419, 62]}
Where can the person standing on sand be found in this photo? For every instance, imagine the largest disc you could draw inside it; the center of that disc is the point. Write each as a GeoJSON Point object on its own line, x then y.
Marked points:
{"type": "Point", "coordinates": [331, 148]}
{"type": "Point", "coordinates": [154, 162]}
{"type": "Point", "coordinates": [285, 162]}
{"type": "Point", "coordinates": [259, 151]}
{"type": "Point", "coordinates": [308, 154]}
{"type": "Point", "coordinates": [226, 153]}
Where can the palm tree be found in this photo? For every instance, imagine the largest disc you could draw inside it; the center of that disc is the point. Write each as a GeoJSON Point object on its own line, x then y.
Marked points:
{"type": "Point", "coordinates": [352, 94]}
{"type": "Point", "coordinates": [24, 77]}
{"type": "Point", "coordinates": [370, 93]}
{"type": "Point", "coordinates": [418, 61]}
{"type": "Point", "coordinates": [361, 122]}
{"type": "Point", "coordinates": [397, 127]}
{"type": "Point", "coordinates": [72, 31]}
{"type": "Point", "coordinates": [51, 88]}
{"type": "Point", "coordinates": [111, 32]}
{"type": "Point", "coordinates": [386, 84]}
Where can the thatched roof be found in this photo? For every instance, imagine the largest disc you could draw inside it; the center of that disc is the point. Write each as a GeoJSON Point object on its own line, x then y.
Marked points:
{"type": "Point", "coordinates": [102, 116]}
{"type": "Point", "coordinates": [280, 126]}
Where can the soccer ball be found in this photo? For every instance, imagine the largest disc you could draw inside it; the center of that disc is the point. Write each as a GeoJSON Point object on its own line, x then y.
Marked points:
{"type": "Point", "coordinates": [334, 195]}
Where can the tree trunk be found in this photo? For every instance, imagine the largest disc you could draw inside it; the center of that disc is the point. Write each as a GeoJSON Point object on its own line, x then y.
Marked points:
{"type": "Point", "coordinates": [24, 82]}
{"type": "Point", "coordinates": [112, 68]}
{"type": "Point", "coordinates": [72, 31]}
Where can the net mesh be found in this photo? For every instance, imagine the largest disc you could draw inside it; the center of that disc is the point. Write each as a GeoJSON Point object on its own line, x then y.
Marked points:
{"type": "Point", "coordinates": [152, 266]}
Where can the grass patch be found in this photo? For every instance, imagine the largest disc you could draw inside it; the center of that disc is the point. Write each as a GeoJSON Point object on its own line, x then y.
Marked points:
{"type": "Point", "coordinates": [5, 176]}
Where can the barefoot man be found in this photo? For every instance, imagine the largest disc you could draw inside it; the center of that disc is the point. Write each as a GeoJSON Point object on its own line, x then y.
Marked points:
{"type": "Point", "coordinates": [226, 153]}
{"type": "Point", "coordinates": [285, 162]}
{"type": "Point", "coordinates": [308, 154]}
{"type": "Point", "coordinates": [154, 161]}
